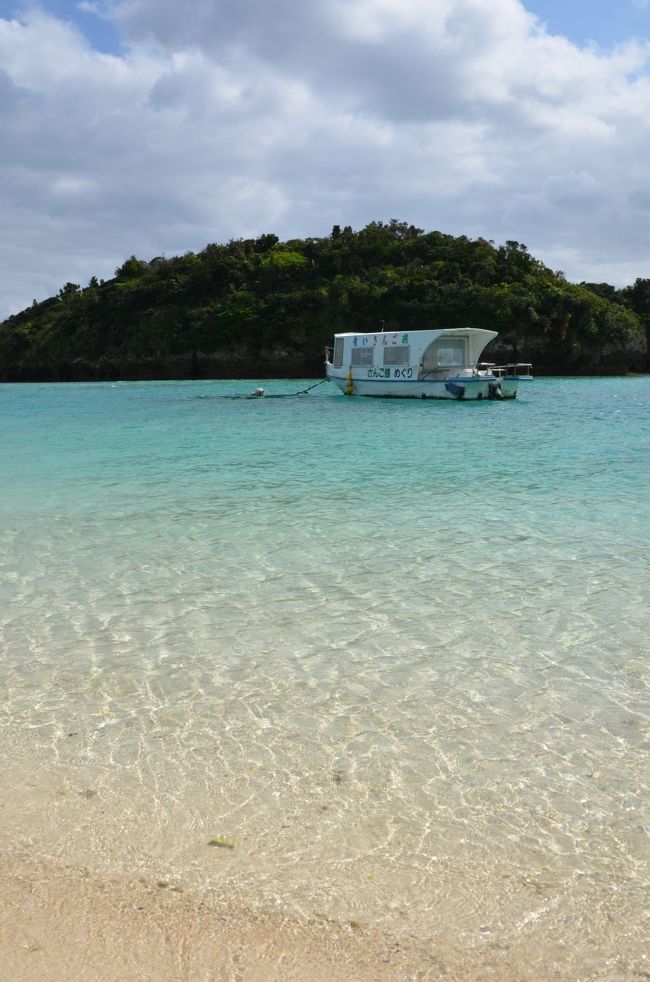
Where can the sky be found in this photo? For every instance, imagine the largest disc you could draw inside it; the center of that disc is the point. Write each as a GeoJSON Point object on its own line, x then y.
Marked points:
{"type": "Point", "coordinates": [151, 127]}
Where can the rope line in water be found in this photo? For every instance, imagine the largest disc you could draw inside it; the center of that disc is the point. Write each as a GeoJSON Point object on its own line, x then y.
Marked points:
{"type": "Point", "coordinates": [261, 394]}
{"type": "Point", "coordinates": [303, 392]}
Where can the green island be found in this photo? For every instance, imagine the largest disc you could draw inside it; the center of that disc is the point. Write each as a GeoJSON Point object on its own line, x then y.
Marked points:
{"type": "Point", "coordinates": [264, 308]}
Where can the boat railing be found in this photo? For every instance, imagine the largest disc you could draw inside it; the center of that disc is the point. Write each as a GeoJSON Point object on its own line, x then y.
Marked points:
{"type": "Point", "coordinates": [519, 368]}
{"type": "Point", "coordinates": [522, 369]}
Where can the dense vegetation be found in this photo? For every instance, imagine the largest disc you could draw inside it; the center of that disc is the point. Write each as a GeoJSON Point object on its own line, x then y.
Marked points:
{"type": "Point", "coordinates": [270, 307]}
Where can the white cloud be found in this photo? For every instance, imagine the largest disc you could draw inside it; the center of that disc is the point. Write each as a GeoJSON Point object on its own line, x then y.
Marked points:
{"type": "Point", "coordinates": [254, 116]}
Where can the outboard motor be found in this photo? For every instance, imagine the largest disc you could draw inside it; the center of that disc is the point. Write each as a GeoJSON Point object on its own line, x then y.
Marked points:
{"type": "Point", "coordinates": [495, 391]}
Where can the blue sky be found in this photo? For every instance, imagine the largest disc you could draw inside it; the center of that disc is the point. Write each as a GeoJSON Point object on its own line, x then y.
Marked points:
{"type": "Point", "coordinates": [100, 31]}
{"type": "Point", "coordinates": [605, 22]}
{"type": "Point", "coordinates": [147, 131]}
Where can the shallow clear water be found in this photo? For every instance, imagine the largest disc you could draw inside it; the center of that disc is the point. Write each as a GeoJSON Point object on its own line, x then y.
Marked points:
{"type": "Point", "coordinates": [396, 651]}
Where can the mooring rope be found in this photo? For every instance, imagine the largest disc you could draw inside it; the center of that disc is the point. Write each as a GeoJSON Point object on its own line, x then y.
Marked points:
{"type": "Point", "coordinates": [261, 394]}
{"type": "Point", "coordinates": [303, 392]}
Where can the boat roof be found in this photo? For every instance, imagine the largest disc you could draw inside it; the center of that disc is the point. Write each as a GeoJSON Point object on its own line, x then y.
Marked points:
{"type": "Point", "coordinates": [432, 330]}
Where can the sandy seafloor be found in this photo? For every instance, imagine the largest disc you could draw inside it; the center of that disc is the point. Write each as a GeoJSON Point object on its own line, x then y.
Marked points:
{"type": "Point", "coordinates": [63, 924]}
{"type": "Point", "coordinates": [395, 655]}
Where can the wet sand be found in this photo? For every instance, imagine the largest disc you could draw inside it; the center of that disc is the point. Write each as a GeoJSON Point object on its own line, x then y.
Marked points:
{"type": "Point", "coordinates": [90, 895]}
{"type": "Point", "coordinates": [62, 924]}
{"type": "Point", "coordinates": [59, 925]}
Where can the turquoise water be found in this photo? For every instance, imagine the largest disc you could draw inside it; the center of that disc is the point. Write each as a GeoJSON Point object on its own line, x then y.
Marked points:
{"type": "Point", "coordinates": [395, 651]}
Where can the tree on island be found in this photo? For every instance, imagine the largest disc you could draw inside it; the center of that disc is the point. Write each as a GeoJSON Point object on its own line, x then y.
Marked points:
{"type": "Point", "coordinates": [278, 303]}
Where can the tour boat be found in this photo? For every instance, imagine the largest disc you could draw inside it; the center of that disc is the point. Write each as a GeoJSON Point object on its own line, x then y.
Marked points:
{"type": "Point", "coordinates": [436, 364]}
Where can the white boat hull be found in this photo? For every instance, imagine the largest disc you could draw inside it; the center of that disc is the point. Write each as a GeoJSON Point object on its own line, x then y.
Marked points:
{"type": "Point", "coordinates": [472, 388]}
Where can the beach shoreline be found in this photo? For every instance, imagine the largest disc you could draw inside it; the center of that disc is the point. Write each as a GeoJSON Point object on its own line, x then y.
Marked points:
{"type": "Point", "coordinates": [62, 923]}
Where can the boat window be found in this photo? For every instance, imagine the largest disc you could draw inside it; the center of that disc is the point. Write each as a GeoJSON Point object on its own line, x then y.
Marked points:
{"type": "Point", "coordinates": [397, 356]}
{"type": "Point", "coordinates": [445, 353]}
{"type": "Point", "coordinates": [450, 356]}
{"type": "Point", "coordinates": [338, 352]}
{"type": "Point", "coordinates": [361, 356]}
